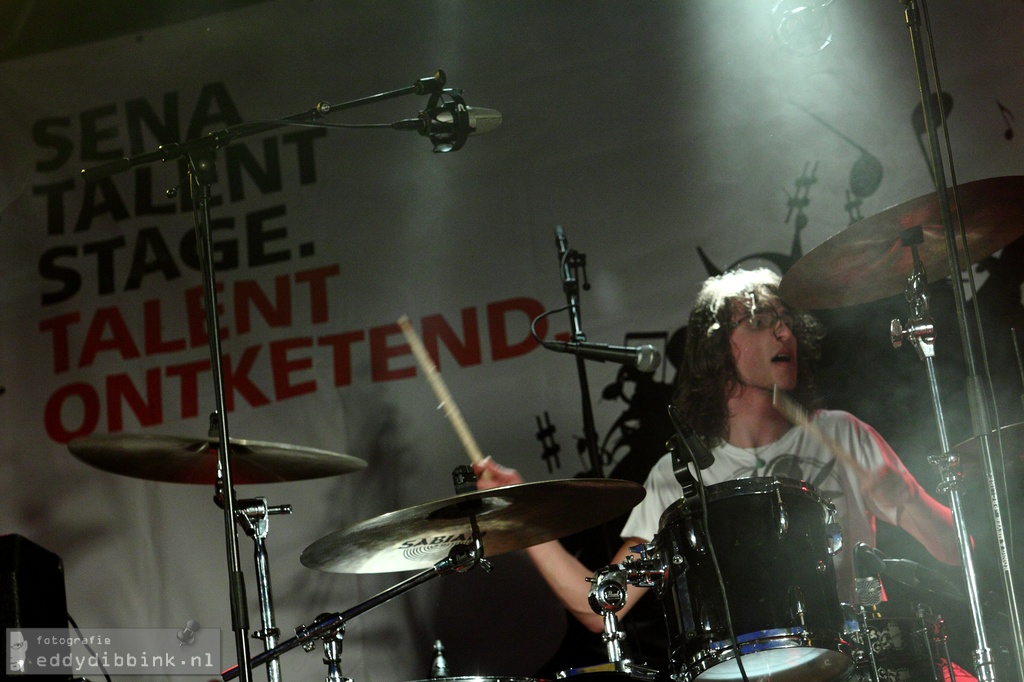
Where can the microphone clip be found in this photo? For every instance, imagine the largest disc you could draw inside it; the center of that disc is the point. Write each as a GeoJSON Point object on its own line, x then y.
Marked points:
{"type": "Point", "coordinates": [446, 120]}
{"type": "Point", "coordinates": [680, 466]}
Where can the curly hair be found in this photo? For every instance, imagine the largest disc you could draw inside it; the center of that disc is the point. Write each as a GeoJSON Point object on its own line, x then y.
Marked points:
{"type": "Point", "coordinates": [708, 370]}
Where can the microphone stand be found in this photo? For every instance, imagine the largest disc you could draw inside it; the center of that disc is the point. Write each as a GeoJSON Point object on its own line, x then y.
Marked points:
{"type": "Point", "coordinates": [569, 263]}
{"type": "Point", "coordinates": [921, 335]}
{"type": "Point", "coordinates": [199, 154]}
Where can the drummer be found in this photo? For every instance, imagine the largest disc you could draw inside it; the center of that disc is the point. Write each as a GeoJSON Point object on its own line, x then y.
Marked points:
{"type": "Point", "coordinates": [742, 343]}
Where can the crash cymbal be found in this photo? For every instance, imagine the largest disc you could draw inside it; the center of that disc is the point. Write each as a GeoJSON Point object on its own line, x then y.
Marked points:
{"type": "Point", "coordinates": [866, 261]}
{"type": "Point", "coordinates": [510, 518]}
{"type": "Point", "coordinates": [194, 460]}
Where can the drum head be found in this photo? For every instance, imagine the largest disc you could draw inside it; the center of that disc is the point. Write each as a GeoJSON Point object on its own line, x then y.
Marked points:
{"type": "Point", "coordinates": [794, 664]}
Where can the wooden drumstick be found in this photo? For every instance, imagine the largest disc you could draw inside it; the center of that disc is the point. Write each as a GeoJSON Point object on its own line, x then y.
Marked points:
{"type": "Point", "coordinates": [797, 415]}
{"type": "Point", "coordinates": [451, 410]}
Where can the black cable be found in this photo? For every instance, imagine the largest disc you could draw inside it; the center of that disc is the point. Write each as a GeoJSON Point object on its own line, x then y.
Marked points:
{"type": "Point", "coordinates": [718, 572]}
{"type": "Point", "coordinates": [534, 321]}
{"type": "Point", "coordinates": [88, 648]}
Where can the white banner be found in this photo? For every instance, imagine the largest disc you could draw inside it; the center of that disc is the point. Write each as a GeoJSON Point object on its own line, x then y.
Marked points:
{"type": "Point", "coordinates": [647, 130]}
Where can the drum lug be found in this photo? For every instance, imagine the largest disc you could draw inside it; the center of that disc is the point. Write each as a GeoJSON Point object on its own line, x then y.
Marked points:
{"type": "Point", "coordinates": [834, 538]}
{"type": "Point", "coordinates": [781, 516]}
{"type": "Point", "coordinates": [690, 532]}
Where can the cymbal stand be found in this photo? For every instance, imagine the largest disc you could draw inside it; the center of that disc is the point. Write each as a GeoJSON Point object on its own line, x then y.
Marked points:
{"type": "Point", "coordinates": [459, 560]}
{"type": "Point", "coordinates": [254, 516]}
{"type": "Point", "coordinates": [332, 656]}
{"type": "Point", "coordinates": [915, 11]}
{"type": "Point", "coordinates": [919, 331]}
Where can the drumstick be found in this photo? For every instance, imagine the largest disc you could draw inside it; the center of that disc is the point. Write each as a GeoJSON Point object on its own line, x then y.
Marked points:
{"type": "Point", "coordinates": [451, 410]}
{"type": "Point", "coordinates": [797, 415]}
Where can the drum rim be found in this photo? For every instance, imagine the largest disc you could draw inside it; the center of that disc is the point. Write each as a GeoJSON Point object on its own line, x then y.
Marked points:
{"type": "Point", "coordinates": [756, 485]}
{"type": "Point", "coordinates": [784, 640]}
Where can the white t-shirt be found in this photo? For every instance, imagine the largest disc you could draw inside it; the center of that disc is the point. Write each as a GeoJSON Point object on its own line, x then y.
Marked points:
{"type": "Point", "coordinates": [797, 455]}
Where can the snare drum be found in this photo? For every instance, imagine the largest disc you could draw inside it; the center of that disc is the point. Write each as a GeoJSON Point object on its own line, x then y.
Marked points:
{"type": "Point", "coordinates": [774, 539]}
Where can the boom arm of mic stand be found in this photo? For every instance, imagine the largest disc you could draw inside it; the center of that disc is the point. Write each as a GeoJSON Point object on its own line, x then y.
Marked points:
{"type": "Point", "coordinates": [216, 140]}
{"type": "Point", "coordinates": [201, 163]}
{"type": "Point", "coordinates": [461, 559]}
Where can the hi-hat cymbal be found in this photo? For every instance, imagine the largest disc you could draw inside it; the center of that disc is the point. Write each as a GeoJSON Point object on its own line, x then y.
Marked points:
{"type": "Point", "coordinates": [866, 261]}
{"type": "Point", "coordinates": [509, 518]}
{"type": "Point", "coordinates": [177, 459]}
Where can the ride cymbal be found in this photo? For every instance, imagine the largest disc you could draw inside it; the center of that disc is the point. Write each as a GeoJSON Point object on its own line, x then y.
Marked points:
{"type": "Point", "coordinates": [867, 261]}
{"type": "Point", "coordinates": [509, 518]}
{"type": "Point", "coordinates": [177, 459]}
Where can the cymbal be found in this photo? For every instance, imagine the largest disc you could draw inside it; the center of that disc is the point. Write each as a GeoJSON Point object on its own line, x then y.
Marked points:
{"type": "Point", "coordinates": [509, 518]}
{"type": "Point", "coordinates": [866, 261]}
{"type": "Point", "coordinates": [177, 459]}
{"type": "Point", "coordinates": [1012, 436]}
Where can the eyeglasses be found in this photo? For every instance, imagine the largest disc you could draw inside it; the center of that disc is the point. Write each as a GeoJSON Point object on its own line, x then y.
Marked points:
{"type": "Point", "coordinates": [764, 318]}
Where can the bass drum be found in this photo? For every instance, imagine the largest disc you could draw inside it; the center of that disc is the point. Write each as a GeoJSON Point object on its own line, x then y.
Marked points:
{"type": "Point", "coordinates": [774, 539]}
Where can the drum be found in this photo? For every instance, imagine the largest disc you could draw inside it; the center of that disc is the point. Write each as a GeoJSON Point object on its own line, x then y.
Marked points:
{"type": "Point", "coordinates": [774, 539]}
{"type": "Point", "coordinates": [907, 643]}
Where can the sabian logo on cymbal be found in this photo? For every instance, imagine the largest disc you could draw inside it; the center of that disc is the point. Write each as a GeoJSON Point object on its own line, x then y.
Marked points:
{"type": "Point", "coordinates": [438, 541]}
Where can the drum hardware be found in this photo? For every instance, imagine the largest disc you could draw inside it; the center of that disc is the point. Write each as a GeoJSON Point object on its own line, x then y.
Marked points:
{"type": "Point", "coordinates": [789, 619]}
{"type": "Point", "coordinates": [868, 646]}
{"type": "Point", "coordinates": [332, 656]}
{"type": "Point", "coordinates": [254, 517]}
{"type": "Point", "coordinates": [686, 448]}
{"type": "Point", "coordinates": [439, 667]}
{"type": "Point", "coordinates": [178, 459]}
{"type": "Point", "coordinates": [903, 242]}
{"type": "Point", "coordinates": [920, 332]}
{"type": "Point", "coordinates": [447, 122]}
{"type": "Point", "coordinates": [867, 570]}
{"type": "Point", "coordinates": [790, 622]}
{"type": "Point", "coordinates": [861, 270]}
{"type": "Point", "coordinates": [607, 597]}
{"type": "Point", "coordinates": [509, 517]}
{"type": "Point", "coordinates": [569, 263]}
{"type": "Point", "coordinates": [897, 641]}
{"type": "Point", "coordinates": [439, 671]}
{"type": "Point", "coordinates": [460, 559]}
{"type": "Point", "coordinates": [194, 460]}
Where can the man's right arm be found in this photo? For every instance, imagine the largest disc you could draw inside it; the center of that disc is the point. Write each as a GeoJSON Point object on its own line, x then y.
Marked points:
{"type": "Point", "coordinates": [564, 573]}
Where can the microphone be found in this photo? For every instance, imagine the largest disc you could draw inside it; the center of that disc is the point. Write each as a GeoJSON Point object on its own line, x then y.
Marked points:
{"type": "Point", "coordinates": [643, 358]}
{"type": "Point", "coordinates": [561, 242]}
{"type": "Point", "coordinates": [448, 121]}
{"type": "Point", "coordinates": [868, 565]}
{"type": "Point", "coordinates": [449, 124]}
{"type": "Point", "coordinates": [479, 119]}
{"type": "Point", "coordinates": [699, 452]}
